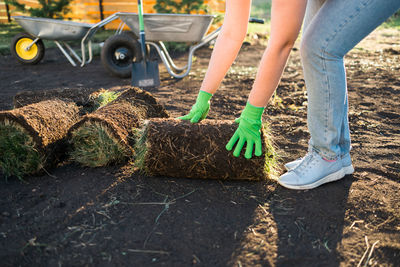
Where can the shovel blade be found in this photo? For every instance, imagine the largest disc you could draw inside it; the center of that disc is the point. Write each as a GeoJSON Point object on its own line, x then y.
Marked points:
{"type": "Point", "coordinates": [145, 74]}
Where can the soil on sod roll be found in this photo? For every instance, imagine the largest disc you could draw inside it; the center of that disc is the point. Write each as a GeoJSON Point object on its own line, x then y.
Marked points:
{"type": "Point", "coordinates": [106, 135]}
{"type": "Point", "coordinates": [81, 96]}
{"type": "Point", "coordinates": [138, 97]}
{"type": "Point", "coordinates": [34, 136]}
{"type": "Point", "coordinates": [176, 148]}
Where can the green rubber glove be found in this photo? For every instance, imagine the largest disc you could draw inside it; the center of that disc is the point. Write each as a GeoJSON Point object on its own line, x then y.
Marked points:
{"type": "Point", "coordinates": [200, 109]}
{"type": "Point", "coordinates": [247, 132]}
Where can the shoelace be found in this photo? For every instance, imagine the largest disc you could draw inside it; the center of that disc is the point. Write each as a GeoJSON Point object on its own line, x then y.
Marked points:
{"type": "Point", "coordinates": [305, 161]}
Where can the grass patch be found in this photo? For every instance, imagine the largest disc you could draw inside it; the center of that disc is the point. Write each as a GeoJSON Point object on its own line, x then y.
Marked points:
{"type": "Point", "coordinates": [18, 155]}
{"type": "Point", "coordinates": [106, 97]}
{"type": "Point", "coordinates": [7, 32]}
{"type": "Point", "coordinates": [261, 9]}
{"type": "Point", "coordinates": [93, 146]}
{"type": "Point", "coordinates": [141, 147]}
{"type": "Point", "coordinates": [393, 21]}
{"type": "Point", "coordinates": [103, 98]}
{"type": "Point", "coordinates": [271, 154]}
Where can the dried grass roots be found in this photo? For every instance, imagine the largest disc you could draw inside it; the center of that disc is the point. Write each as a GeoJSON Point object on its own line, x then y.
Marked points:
{"type": "Point", "coordinates": [175, 148]}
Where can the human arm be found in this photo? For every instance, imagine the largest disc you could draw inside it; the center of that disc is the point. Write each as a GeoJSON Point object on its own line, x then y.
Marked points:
{"type": "Point", "coordinates": [226, 48]}
{"type": "Point", "coordinates": [228, 43]}
{"type": "Point", "coordinates": [286, 20]}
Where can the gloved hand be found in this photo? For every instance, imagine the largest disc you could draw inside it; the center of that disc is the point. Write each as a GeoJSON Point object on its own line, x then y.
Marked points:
{"type": "Point", "coordinates": [247, 132]}
{"type": "Point", "coordinates": [200, 109]}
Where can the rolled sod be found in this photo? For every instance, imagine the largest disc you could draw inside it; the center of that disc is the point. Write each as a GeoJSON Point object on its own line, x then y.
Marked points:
{"type": "Point", "coordinates": [80, 96]}
{"type": "Point", "coordinates": [33, 137]}
{"type": "Point", "coordinates": [87, 99]}
{"type": "Point", "coordinates": [176, 148]}
{"type": "Point", "coordinates": [106, 135]}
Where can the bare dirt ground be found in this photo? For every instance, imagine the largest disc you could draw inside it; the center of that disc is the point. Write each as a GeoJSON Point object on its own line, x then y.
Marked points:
{"type": "Point", "coordinates": [79, 216]}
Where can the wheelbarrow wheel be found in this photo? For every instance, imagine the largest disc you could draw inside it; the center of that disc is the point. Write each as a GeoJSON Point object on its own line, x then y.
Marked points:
{"type": "Point", "coordinates": [118, 53]}
{"type": "Point", "coordinates": [133, 35]}
{"type": "Point", "coordinates": [19, 45]}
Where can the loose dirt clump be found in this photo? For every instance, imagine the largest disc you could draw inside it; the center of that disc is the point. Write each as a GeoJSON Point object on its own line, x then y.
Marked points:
{"type": "Point", "coordinates": [33, 137]}
{"type": "Point", "coordinates": [175, 148]}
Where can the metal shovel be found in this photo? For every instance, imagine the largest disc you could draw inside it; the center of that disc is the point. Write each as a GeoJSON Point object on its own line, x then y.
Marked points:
{"type": "Point", "coordinates": [144, 73]}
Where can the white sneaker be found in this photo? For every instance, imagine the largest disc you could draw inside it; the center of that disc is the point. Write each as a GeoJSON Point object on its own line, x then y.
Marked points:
{"type": "Point", "coordinates": [346, 162]}
{"type": "Point", "coordinates": [292, 164]}
{"type": "Point", "coordinates": [312, 172]}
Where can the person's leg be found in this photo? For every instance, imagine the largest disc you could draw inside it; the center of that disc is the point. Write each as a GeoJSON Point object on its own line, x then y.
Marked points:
{"type": "Point", "coordinates": [313, 6]}
{"type": "Point", "coordinates": [336, 28]}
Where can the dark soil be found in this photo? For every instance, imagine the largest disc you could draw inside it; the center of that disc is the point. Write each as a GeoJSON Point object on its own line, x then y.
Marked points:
{"type": "Point", "coordinates": [177, 148]}
{"type": "Point", "coordinates": [112, 217]}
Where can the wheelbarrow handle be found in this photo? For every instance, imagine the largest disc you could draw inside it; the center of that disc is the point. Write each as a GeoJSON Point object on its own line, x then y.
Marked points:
{"type": "Point", "coordinates": [255, 20]}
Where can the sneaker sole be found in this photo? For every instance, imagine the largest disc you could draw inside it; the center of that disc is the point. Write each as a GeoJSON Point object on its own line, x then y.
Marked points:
{"type": "Point", "coordinates": [347, 170]}
{"type": "Point", "coordinates": [327, 179]}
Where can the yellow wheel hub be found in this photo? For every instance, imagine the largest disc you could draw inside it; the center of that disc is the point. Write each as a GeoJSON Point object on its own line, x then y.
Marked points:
{"type": "Point", "coordinates": [21, 50]}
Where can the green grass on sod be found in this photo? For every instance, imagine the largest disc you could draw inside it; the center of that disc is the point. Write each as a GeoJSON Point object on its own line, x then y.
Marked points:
{"type": "Point", "coordinates": [18, 155]}
{"type": "Point", "coordinates": [94, 147]}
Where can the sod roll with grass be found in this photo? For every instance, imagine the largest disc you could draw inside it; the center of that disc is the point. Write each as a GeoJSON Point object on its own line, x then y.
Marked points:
{"type": "Point", "coordinates": [32, 138]}
{"type": "Point", "coordinates": [80, 96]}
{"type": "Point", "coordinates": [106, 135]}
{"type": "Point", "coordinates": [88, 100]}
{"type": "Point", "coordinates": [176, 148]}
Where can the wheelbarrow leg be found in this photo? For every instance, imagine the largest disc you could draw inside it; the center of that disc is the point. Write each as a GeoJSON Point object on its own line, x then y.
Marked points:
{"type": "Point", "coordinates": [90, 33]}
{"type": "Point", "coordinates": [72, 52]}
{"type": "Point", "coordinates": [169, 59]}
{"type": "Point", "coordinates": [65, 54]}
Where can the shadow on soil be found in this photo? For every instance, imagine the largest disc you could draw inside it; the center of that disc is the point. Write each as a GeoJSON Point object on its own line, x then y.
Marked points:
{"type": "Point", "coordinates": [102, 217]}
{"type": "Point", "coordinates": [295, 228]}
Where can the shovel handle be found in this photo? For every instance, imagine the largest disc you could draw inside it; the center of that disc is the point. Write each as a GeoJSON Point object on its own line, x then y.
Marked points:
{"type": "Point", "coordinates": [141, 28]}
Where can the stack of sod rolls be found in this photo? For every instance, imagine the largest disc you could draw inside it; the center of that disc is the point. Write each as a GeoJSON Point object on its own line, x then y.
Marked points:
{"type": "Point", "coordinates": [88, 100]}
{"type": "Point", "coordinates": [33, 137]}
{"type": "Point", "coordinates": [106, 135]}
{"type": "Point", "coordinates": [176, 148]}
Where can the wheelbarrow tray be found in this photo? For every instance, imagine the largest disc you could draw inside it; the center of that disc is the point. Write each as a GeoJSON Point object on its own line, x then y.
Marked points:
{"type": "Point", "coordinates": [169, 27]}
{"type": "Point", "coordinates": [53, 29]}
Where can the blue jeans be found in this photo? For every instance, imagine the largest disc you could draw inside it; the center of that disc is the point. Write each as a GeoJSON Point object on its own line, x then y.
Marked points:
{"type": "Point", "coordinates": [331, 29]}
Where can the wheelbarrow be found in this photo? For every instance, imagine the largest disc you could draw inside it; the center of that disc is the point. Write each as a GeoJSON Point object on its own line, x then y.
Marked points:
{"type": "Point", "coordinates": [29, 48]}
{"type": "Point", "coordinates": [123, 48]}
